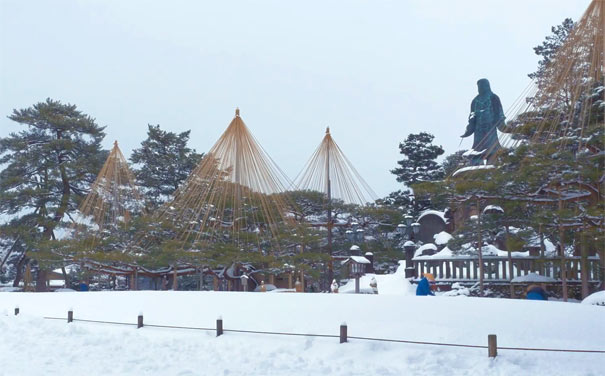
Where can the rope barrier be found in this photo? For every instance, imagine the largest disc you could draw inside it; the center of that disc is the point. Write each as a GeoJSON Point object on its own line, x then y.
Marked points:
{"type": "Point", "coordinates": [282, 334]}
{"type": "Point", "coordinates": [337, 336]}
{"type": "Point", "coordinates": [419, 342]}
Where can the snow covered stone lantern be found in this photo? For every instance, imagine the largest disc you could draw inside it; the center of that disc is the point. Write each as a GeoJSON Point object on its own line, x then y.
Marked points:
{"type": "Point", "coordinates": [357, 267]}
{"type": "Point", "coordinates": [415, 228]}
{"type": "Point", "coordinates": [401, 229]}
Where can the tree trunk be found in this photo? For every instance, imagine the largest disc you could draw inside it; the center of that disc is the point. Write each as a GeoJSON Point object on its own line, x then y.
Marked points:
{"type": "Point", "coordinates": [480, 248]}
{"type": "Point", "coordinates": [562, 249]}
{"type": "Point", "coordinates": [41, 281]}
{"type": "Point", "coordinates": [65, 278]}
{"type": "Point", "coordinates": [583, 263]}
{"type": "Point", "coordinates": [510, 263]}
{"type": "Point", "coordinates": [175, 280]}
{"type": "Point", "coordinates": [20, 270]}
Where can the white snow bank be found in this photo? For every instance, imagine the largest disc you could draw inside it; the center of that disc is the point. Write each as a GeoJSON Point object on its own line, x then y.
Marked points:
{"type": "Point", "coordinates": [533, 277]}
{"type": "Point", "coordinates": [388, 284]}
{"type": "Point", "coordinates": [33, 346]}
{"type": "Point", "coordinates": [598, 298]}
{"type": "Point", "coordinates": [10, 289]}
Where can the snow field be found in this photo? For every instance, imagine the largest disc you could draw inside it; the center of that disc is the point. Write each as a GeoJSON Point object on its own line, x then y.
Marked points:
{"type": "Point", "coordinates": [31, 345]}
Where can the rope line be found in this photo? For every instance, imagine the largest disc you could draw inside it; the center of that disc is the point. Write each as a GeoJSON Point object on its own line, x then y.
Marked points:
{"type": "Point", "coordinates": [338, 336]}
{"type": "Point", "coordinates": [282, 334]}
{"type": "Point", "coordinates": [419, 342]}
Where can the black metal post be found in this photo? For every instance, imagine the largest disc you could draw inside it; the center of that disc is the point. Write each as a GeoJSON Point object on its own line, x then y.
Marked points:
{"type": "Point", "coordinates": [343, 333]}
{"type": "Point", "coordinates": [219, 327]}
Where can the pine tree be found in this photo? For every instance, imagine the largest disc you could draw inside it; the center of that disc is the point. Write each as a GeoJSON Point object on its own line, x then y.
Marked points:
{"type": "Point", "coordinates": [164, 161]}
{"type": "Point", "coordinates": [549, 47]}
{"type": "Point", "coordinates": [49, 168]}
{"type": "Point", "coordinates": [453, 162]}
{"type": "Point", "coordinates": [419, 163]}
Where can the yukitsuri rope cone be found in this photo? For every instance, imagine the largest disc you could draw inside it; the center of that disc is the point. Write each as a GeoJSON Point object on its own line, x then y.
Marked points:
{"type": "Point", "coordinates": [235, 196]}
{"type": "Point", "coordinates": [113, 200]}
{"type": "Point", "coordinates": [560, 102]}
{"type": "Point", "coordinates": [330, 172]}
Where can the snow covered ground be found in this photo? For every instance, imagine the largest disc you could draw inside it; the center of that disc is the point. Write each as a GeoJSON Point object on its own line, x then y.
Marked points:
{"type": "Point", "coordinates": [31, 345]}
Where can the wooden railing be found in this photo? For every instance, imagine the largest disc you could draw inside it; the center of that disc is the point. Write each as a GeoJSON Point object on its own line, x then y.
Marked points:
{"type": "Point", "coordinates": [496, 268]}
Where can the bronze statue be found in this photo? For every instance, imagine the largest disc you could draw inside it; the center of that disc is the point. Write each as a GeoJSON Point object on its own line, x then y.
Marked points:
{"type": "Point", "coordinates": [486, 116]}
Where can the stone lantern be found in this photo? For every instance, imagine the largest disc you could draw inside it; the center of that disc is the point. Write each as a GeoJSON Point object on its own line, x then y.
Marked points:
{"type": "Point", "coordinates": [357, 267]}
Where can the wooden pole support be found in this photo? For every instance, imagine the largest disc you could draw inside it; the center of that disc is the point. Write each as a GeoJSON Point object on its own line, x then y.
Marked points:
{"type": "Point", "coordinates": [70, 316]}
{"type": "Point", "coordinates": [343, 333]}
{"type": "Point", "coordinates": [492, 346]}
{"type": "Point", "coordinates": [140, 321]}
{"type": "Point", "coordinates": [219, 327]}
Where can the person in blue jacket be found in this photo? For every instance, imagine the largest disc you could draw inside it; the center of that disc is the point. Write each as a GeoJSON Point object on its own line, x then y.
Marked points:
{"type": "Point", "coordinates": [424, 288]}
{"type": "Point", "coordinates": [535, 292]}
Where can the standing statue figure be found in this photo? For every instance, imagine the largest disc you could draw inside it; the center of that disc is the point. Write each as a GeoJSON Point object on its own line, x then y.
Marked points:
{"type": "Point", "coordinates": [486, 116]}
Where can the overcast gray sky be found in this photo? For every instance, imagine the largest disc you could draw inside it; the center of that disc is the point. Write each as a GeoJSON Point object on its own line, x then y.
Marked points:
{"type": "Point", "coordinates": [374, 71]}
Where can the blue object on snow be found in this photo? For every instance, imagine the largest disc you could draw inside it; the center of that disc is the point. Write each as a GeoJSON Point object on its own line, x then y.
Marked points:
{"type": "Point", "coordinates": [83, 287]}
{"type": "Point", "coordinates": [424, 288]}
{"type": "Point", "coordinates": [537, 293]}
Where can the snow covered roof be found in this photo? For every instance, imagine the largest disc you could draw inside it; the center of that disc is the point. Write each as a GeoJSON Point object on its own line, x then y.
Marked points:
{"type": "Point", "coordinates": [433, 212]}
{"type": "Point", "coordinates": [492, 208]}
{"type": "Point", "coordinates": [357, 259]}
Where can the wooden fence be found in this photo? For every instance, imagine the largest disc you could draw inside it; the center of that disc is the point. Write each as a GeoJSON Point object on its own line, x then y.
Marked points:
{"type": "Point", "coordinates": [496, 268]}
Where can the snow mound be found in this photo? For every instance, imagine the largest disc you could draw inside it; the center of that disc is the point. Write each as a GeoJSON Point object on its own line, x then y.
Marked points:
{"type": "Point", "coordinates": [425, 247]}
{"type": "Point", "coordinates": [457, 290]}
{"type": "Point", "coordinates": [33, 346]}
{"type": "Point", "coordinates": [533, 277]}
{"type": "Point", "coordinates": [442, 238]}
{"type": "Point", "coordinates": [388, 284]}
{"type": "Point", "coordinates": [598, 298]}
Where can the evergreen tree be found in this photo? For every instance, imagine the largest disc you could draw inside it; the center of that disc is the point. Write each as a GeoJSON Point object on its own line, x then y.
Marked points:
{"type": "Point", "coordinates": [549, 47]}
{"type": "Point", "coordinates": [453, 162]}
{"type": "Point", "coordinates": [419, 163]}
{"type": "Point", "coordinates": [48, 169]}
{"type": "Point", "coordinates": [164, 161]}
